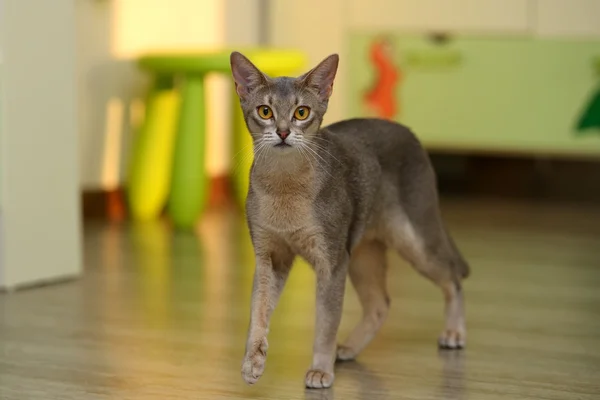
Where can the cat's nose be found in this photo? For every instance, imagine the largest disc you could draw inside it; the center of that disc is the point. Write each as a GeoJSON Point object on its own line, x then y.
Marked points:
{"type": "Point", "coordinates": [282, 134]}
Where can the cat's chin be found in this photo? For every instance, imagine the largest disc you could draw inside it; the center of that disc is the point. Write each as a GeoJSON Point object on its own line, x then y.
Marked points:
{"type": "Point", "coordinates": [283, 147]}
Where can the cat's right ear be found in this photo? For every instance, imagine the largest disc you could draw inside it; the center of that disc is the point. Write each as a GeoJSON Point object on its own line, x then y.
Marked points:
{"type": "Point", "coordinates": [245, 74]}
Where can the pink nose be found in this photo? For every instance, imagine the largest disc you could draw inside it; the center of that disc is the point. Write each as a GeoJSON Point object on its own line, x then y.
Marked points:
{"type": "Point", "coordinates": [283, 134]}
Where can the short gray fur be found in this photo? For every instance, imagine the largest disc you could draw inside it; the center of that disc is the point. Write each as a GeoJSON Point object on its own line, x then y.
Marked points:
{"type": "Point", "coordinates": [338, 196]}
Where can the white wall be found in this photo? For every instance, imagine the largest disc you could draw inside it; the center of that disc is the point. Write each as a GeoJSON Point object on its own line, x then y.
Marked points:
{"type": "Point", "coordinates": [568, 19]}
{"type": "Point", "coordinates": [478, 16]}
{"type": "Point", "coordinates": [40, 232]}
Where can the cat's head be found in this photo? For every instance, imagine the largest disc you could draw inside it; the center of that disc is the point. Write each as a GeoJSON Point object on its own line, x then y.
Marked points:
{"type": "Point", "coordinates": [283, 113]}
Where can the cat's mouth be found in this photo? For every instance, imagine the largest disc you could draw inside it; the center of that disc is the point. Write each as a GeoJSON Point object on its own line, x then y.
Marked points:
{"type": "Point", "coordinates": [282, 144]}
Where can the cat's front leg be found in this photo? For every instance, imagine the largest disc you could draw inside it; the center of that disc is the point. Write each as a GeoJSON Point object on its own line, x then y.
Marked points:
{"type": "Point", "coordinates": [331, 280]}
{"type": "Point", "coordinates": [270, 276]}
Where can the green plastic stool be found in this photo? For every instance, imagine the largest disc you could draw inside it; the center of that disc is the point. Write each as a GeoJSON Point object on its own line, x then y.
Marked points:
{"type": "Point", "coordinates": [151, 158]}
{"type": "Point", "coordinates": [168, 155]}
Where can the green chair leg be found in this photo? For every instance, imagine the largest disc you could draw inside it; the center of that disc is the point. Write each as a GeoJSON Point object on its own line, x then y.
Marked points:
{"type": "Point", "coordinates": [189, 183]}
{"type": "Point", "coordinates": [150, 167]}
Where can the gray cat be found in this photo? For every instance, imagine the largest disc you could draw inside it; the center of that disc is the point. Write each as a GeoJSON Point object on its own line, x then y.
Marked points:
{"type": "Point", "coordinates": [339, 197]}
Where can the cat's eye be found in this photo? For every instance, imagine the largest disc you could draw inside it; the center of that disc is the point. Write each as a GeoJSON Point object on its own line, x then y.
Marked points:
{"type": "Point", "coordinates": [301, 113]}
{"type": "Point", "coordinates": [265, 112]}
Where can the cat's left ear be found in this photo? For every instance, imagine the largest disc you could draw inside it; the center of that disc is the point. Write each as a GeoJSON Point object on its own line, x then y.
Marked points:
{"type": "Point", "coordinates": [321, 77]}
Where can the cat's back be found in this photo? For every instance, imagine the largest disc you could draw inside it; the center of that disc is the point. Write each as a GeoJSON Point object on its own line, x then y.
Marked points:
{"type": "Point", "coordinates": [386, 140]}
{"type": "Point", "coordinates": [372, 132]}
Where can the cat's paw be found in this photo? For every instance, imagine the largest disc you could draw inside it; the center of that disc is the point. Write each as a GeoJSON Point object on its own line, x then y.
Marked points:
{"type": "Point", "coordinates": [452, 339]}
{"type": "Point", "coordinates": [318, 379]}
{"type": "Point", "coordinates": [253, 365]}
{"type": "Point", "coordinates": [345, 353]}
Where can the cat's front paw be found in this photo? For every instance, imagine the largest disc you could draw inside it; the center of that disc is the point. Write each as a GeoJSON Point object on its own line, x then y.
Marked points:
{"type": "Point", "coordinates": [253, 365]}
{"type": "Point", "coordinates": [452, 339]}
{"type": "Point", "coordinates": [318, 379]}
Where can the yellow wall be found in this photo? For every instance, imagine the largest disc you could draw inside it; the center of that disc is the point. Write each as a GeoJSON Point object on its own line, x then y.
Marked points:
{"type": "Point", "coordinates": [110, 35]}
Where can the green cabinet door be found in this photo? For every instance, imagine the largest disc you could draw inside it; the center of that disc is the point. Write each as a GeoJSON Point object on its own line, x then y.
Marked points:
{"type": "Point", "coordinates": [521, 95]}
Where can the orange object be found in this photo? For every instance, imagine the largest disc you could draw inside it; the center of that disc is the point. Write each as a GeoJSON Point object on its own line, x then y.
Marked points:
{"type": "Point", "coordinates": [115, 206]}
{"type": "Point", "coordinates": [381, 98]}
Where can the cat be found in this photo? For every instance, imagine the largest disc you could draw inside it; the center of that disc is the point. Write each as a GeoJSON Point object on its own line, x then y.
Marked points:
{"type": "Point", "coordinates": [339, 197]}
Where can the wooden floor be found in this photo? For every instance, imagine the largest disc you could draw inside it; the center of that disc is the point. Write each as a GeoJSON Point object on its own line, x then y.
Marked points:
{"type": "Point", "coordinates": [163, 316]}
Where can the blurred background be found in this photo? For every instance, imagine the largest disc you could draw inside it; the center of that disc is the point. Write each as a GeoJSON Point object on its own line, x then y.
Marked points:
{"type": "Point", "coordinates": [123, 162]}
{"type": "Point", "coordinates": [504, 95]}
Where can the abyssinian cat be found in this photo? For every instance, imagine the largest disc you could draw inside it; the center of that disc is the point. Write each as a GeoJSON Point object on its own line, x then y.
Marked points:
{"type": "Point", "coordinates": [339, 197]}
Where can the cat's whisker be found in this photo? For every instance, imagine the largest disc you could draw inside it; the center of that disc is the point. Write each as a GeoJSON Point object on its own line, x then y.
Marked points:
{"type": "Point", "coordinates": [241, 150]}
{"type": "Point", "coordinates": [318, 155]}
{"type": "Point", "coordinates": [241, 161]}
{"type": "Point", "coordinates": [260, 153]}
{"type": "Point", "coordinates": [248, 155]}
{"type": "Point", "coordinates": [257, 152]}
{"type": "Point", "coordinates": [314, 153]}
{"type": "Point", "coordinates": [258, 149]}
{"type": "Point", "coordinates": [305, 155]}
{"type": "Point", "coordinates": [321, 138]}
{"type": "Point", "coordinates": [324, 149]}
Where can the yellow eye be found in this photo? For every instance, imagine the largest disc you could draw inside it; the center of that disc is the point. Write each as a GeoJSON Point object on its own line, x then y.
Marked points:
{"type": "Point", "coordinates": [301, 113]}
{"type": "Point", "coordinates": [265, 112]}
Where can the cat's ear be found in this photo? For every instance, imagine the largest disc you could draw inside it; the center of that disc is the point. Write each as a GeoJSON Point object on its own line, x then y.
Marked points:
{"type": "Point", "coordinates": [245, 74]}
{"type": "Point", "coordinates": [321, 77]}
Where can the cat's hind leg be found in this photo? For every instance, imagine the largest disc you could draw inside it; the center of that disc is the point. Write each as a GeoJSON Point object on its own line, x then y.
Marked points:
{"type": "Point", "coordinates": [423, 241]}
{"type": "Point", "coordinates": [367, 272]}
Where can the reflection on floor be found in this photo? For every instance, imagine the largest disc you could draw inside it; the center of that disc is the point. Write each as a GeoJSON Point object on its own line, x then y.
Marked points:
{"type": "Point", "coordinates": [163, 316]}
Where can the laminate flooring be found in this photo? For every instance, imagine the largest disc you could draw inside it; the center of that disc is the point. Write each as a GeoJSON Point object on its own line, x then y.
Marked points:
{"type": "Point", "coordinates": [163, 315]}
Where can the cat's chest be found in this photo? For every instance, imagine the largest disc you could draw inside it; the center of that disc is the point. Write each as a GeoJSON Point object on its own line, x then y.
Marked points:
{"type": "Point", "coordinates": [285, 213]}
